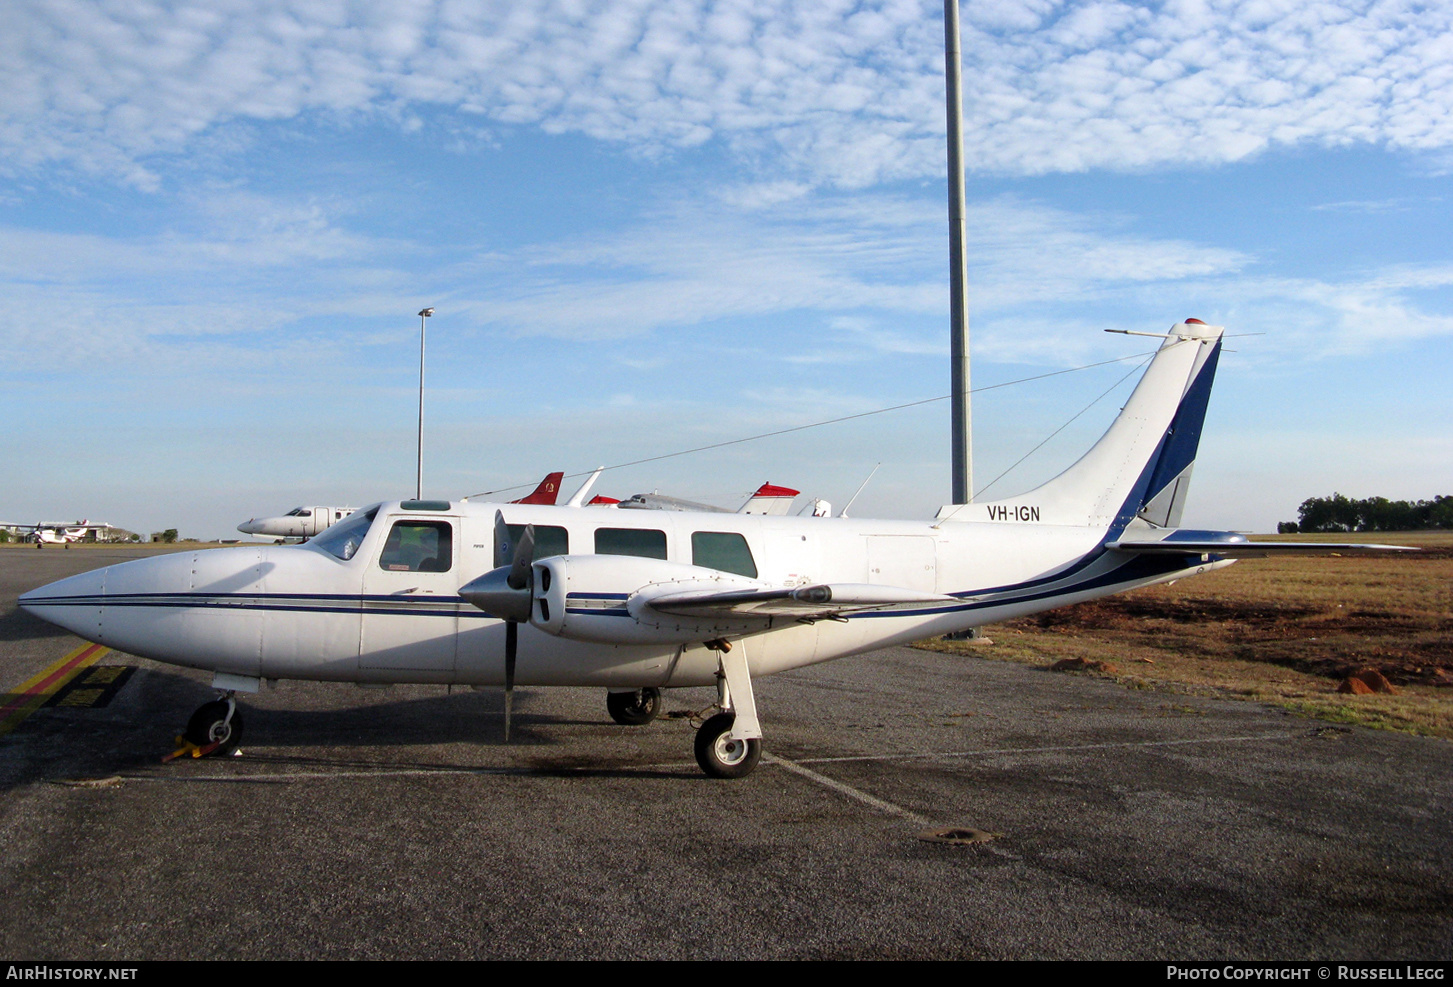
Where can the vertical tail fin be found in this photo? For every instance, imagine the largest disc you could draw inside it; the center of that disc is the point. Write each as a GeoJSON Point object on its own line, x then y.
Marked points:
{"type": "Point", "coordinates": [1141, 467]}
{"type": "Point", "coordinates": [546, 492]}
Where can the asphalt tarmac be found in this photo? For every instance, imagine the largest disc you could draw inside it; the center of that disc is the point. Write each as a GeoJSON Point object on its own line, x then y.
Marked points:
{"type": "Point", "coordinates": [398, 824]}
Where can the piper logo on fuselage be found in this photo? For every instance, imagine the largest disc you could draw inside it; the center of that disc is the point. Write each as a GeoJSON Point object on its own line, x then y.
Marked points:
{"type": "Point", "coordinates": [1000, 512]}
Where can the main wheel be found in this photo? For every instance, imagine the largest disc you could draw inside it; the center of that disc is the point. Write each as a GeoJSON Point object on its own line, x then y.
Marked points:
{"type": "Point", "coordinates": [721, 757]}
{"type": "Point", "coordinates": [209, 725]}
{"type": "Point", "coordinates": [633, 709]}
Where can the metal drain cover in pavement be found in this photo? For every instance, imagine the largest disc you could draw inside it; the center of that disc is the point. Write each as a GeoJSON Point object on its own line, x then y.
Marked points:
{"type": "Point", "coordinates": [957, 835]}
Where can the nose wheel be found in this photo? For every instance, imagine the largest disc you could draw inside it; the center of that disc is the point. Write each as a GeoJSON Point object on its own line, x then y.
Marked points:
{"type": "Point", "coordinates": [633, 709]}
{"type": "Point", "coordinates": [218, 722]}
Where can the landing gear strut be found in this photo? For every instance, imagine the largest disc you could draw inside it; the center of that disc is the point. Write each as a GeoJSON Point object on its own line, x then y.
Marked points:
{"type": "Point", "coordinates": [730, 743]}
{"type": "Point", "coordinates": [634, 709]}
{"type": "Point", "coordinates": [218, 722]}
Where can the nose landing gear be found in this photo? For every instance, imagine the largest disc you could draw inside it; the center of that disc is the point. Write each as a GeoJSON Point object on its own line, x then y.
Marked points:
{"type": "Point", "coordinates": [634, 709]}
{"type": "Point", "coordinates": [217, 724]}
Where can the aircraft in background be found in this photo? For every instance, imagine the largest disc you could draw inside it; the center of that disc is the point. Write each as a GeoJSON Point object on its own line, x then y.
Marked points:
{"type": "Point", "coordinates": [308, 522]}
{"type": "Point", "coordinates": [300, 522]}
{"type": "Point", "coordinates": [633, 602]}
{"type": "Point", "coordinates": [768, 499]}
{"type": "Point", "coordinates": [59, 532]}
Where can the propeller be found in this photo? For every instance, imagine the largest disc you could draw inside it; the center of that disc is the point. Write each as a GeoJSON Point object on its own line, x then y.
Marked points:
{"type": "Point", "coordinates": [507, 593]}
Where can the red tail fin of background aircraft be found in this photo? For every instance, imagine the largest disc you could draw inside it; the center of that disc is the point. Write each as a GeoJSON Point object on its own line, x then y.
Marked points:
{"type": "Point", "coordinates": [546, 492]}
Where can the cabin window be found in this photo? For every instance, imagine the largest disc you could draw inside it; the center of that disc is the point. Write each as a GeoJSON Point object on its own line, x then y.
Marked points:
{"type": "Point", "coordinates": [550, 541]}
{"type": "Point", "coordinates": [648, 543]}
{"type": "Point", "coordinates": [724, 550]}
{"type": "Point", "coordinates": [418, 546]}
{"type": "Point", "coordinates": [343, 539]}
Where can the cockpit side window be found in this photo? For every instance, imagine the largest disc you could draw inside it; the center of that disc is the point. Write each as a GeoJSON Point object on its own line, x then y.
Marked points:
{"type": "Point", "coordinates": [342, 540]}
{"type": "Point", "coordinates": [724, 550]}
{"type": "Point", "coordinates": [418, 546]}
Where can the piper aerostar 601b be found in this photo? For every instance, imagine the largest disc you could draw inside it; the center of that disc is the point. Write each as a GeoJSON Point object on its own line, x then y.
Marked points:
{"type": "Point", "coordinates": [634, 602]}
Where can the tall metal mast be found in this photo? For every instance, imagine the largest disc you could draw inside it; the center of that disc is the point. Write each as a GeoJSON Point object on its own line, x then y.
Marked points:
{"type": "Point", "coordinates": [963, 438]}
{"type": "Point", "coordinates": [419, 487]}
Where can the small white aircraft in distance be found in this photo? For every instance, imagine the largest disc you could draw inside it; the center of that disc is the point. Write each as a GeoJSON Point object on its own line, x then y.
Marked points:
{"type": "Point", "coordinates": [58, 532]}
{"type": "Point", "coordinates": [491, 594]}
{"type": "Point", "coordinates": [308, 522]}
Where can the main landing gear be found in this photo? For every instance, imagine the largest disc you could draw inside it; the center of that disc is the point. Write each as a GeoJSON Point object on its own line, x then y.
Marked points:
{"type": "Point", "coordinates": [218, 722]}
{"type": "Point", "coordinates": [720, 754]}
{"type": "Point", "coordinates": [634, 709]}
{"type": "Point", "coordinates": [729, 744]}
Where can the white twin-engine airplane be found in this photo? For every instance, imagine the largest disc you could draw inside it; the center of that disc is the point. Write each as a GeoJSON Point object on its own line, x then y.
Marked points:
{"type": "Point", "coordinates": [489, 594]}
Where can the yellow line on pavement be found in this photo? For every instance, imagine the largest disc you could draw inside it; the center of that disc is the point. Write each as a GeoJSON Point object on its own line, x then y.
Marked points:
{"type": "Point", "coordinates": [32, 694]}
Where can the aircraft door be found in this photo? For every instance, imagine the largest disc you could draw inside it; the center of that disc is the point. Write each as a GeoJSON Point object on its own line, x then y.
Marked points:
{"type": "Point", "coordinates": [411, 597]}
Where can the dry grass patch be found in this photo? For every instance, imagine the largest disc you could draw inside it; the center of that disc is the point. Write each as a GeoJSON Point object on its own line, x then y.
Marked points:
{"type": "Point", "coordinates": [1284, 631]}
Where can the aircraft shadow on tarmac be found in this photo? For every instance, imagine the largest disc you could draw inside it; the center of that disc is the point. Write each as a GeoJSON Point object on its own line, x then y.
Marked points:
{"type": "Point", "coordinates": [139, 727]}
{"type": "Point", "coordinates": [17, 625]}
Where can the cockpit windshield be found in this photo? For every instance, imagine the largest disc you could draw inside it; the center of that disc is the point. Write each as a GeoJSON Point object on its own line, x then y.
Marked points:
{"type": "Point", "coordinates": [299, 512]}
{"type": "Point", "coordinates": [343, 539]}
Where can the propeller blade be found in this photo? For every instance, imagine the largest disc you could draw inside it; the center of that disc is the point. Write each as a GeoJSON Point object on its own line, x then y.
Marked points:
{"type": "Point", "coordinates": [524, 556]}
{"type": "Point", "coordinates": [512, 640]}
{"type": "Point", "coordinates": [501, 537]}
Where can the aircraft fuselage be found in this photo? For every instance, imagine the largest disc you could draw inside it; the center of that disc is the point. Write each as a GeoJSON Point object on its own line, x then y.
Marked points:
{"type": "Point", "coordinates": [391, 612]}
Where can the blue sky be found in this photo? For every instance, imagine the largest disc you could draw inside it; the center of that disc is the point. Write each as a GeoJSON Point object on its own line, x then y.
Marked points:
{"type": "Point", "coordinates": [647, 226]}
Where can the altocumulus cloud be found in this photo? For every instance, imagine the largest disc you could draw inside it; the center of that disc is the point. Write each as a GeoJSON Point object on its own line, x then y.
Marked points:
{"type": "Point", "coordinates": [838, 93]}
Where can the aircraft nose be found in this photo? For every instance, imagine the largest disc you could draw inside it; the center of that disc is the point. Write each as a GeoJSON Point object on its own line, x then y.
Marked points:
{"type": "Point", "coordinates": [73, 603]}
{"type": "Point", "coordinates": [248, 527]}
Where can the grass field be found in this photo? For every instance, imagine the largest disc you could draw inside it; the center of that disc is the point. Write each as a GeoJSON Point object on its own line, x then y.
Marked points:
{"type": "Point", "coordinates": [1286, 631]}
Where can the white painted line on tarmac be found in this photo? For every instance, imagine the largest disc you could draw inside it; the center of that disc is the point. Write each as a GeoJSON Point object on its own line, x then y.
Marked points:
{"type": "Point", "coordinates": [1064, 748]}
{"type": "Point", "coordinates": [848, 790]}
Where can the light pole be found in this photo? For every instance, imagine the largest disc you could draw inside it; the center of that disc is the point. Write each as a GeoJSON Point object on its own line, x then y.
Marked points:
{"type": "Point", "coordinates": [419, 487]}
{"type": "Point", "coordinates": [961, 415]}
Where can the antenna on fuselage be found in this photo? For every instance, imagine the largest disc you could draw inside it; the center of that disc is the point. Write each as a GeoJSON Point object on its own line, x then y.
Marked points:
{"type": "Point", "coordinates": [844, 511]}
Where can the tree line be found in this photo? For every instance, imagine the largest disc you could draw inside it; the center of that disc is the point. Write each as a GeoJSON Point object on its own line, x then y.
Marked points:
{"type": "Point", "coordinates": [1340, 513]}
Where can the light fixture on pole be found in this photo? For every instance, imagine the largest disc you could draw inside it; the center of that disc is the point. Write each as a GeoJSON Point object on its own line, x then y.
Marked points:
{"type": "Point", "coordinates": [419, 487]}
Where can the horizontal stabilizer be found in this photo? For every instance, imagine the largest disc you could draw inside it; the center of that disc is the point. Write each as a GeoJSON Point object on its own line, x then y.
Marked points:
{"type": "Point", "coordinates": [808, 602]}
{"type": "Point", "coordinates": [1239, 547]}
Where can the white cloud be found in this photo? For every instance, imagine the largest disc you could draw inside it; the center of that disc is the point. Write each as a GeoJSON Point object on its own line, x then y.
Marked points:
{"type": "Point", "coordinates": [242, 275]}
{"type": "Point", "coordinates": [840, 93]}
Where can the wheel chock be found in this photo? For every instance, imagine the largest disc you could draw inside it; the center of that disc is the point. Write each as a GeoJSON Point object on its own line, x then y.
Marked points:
{"type": "Point", "coordinates": [185, 746]}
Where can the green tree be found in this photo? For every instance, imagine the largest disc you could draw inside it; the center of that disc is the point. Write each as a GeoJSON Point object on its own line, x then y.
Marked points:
{"type": "Point", "coordinates": [1341, 513]}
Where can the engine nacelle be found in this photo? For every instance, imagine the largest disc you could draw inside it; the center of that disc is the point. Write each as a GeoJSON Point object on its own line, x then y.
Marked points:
{"type": "Point", "coordinates": [605, 599]}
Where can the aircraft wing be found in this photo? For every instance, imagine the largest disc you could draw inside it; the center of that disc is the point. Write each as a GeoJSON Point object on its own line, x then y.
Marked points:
{"type": "Point", "coordinates": [1244, 549]}
{"type": "Point", "coordinates": [808, 602]}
